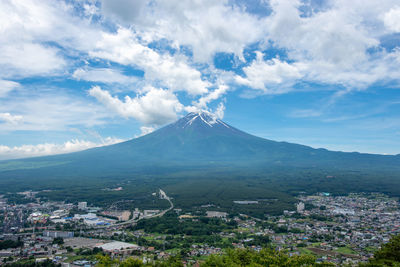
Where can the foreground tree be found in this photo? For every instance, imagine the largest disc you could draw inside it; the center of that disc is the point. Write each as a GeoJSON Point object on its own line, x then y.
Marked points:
{"type": "Point", "coordinates": [233, 258]}
{"type": "Point", "coordinates": [388, 255]}
{"type": "Point", "coordinates": [266, 257]}
{"type": "Point", "coordinates": [106, 261]}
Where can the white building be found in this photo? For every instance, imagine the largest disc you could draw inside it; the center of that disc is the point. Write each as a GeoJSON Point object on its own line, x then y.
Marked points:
{"type": "Point", "coordinates": [216, 214]}
{"type": "Point", "coordinates": [58, 234]}
{"type": "Point", "coordinates": [117, 246]}
{"type": "Point", "coordinates": [82, 205]}
{"type": "Point", "coordinates": [300, 207]}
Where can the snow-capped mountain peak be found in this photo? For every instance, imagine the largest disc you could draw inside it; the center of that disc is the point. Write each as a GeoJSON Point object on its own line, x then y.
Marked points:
{"type": "Point", "coordinates": [202, 117]}
{"type": "Point", "coordinates": [201, 123]}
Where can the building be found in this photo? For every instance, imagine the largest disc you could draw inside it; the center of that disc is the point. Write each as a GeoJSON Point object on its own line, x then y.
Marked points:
{"type": "Point", "coordinates": [117, 247]}
{"type": "Point", "coordinates": [300, 207]}
{"type": "Point", "coordinates": [216, 214]}
{"type": "Point", "coordinates": [187, 216]}
{"type": "Point", "coordinates": [92, 219]}
{"type": "Point", "coordinates": [82, 205]}
{"type": "Point", "coordinates": [55, 234]}
{"type": "Point", "coordinates": [120, 215]}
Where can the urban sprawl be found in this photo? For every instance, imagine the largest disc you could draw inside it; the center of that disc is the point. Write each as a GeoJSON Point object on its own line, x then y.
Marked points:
{"type": "Point", "coordinates": [338, 229]}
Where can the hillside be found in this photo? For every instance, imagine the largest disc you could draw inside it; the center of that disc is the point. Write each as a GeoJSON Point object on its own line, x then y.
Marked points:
{"type": "Point", "coordinates": [199, 159]}
{"type": "Point", "coordinates": [199, 140]}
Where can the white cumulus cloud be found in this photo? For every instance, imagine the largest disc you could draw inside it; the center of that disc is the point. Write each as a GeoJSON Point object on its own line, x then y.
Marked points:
{"type": "Point", "coordinates": [146, 130]}
{"type": "Point", "coordinates": [271, 76]}
{"type": "Point", "coordinates": [207, 26]}
{"type": "Point", "coordinates": [8, 118]}
{"type": "Point", "coordinates": [7, 86]}
{"type": "Point", "coordinates": [27, 59]}
{"type": "Point", "coordinates": [32, 33]}
{"type": "Point", "coordinates": [338, 43]}
{"type": "Point", "coordinates": [24, 151]}
{"type": "Point", "coordinates": [45, 110]}
{"type": "Point", "coordinates": [392, 19]}
{"type": "Point", "coordinates": [171, 72]}
{"type": "Point", "coordinates": [123, 10]}
{"type": "Point", "coordinates": [104, 75]}
{"type": "Point", "coordinates": [155, 106]}
{"type": "Point", "coordinates": [217, 93]}
{"type": "Point", "coordinates": [327, 46]}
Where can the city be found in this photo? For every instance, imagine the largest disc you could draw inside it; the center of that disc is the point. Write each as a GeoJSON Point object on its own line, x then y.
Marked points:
{"type": "Point", "coordinates": [337, 229]}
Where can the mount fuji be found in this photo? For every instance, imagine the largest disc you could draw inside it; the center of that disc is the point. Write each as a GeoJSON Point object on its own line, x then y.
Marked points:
{"type": "Point", "coordinates": [200, 159]}
{"type": "Point", "coordinates": [200, 141]}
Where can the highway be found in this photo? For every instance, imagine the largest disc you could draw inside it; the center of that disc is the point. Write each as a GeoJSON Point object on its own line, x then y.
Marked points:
{"type": "Point", "coordinates": [164, 196]}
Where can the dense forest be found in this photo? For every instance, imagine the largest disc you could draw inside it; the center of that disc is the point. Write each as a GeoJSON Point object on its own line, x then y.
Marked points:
{"type": "Point", "coordinates": [273, 188]}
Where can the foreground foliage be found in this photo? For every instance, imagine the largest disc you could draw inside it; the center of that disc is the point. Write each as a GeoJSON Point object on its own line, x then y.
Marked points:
{"type": "Point", "coordinates": [268, 257]}
{"type": "Point", "coordinates": [388, 255]}
{"type": "Point", "coordinates": [233, 258]}
{"type": "Point", "coordinates": [106, 261]}
{"type": "Point", "coordinates": [33, 263]}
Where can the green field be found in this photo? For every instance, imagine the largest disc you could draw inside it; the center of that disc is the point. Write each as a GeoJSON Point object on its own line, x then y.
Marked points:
{"type": "Point", "coordinates": [345, 250]}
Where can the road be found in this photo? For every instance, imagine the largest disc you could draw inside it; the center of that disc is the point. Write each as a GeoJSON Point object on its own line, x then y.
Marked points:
{"type": "Point", "coordinates": [164, 196]}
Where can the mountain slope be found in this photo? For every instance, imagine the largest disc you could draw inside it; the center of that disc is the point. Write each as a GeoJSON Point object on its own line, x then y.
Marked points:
{"type": "Point", "coordinates": [200, 160]}
{"type": "Point", "coordinates": [196, 141]}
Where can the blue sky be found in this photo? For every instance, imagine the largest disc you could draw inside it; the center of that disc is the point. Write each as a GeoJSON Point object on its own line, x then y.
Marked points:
{"type": "Point", "coordinates": [80, 74]}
